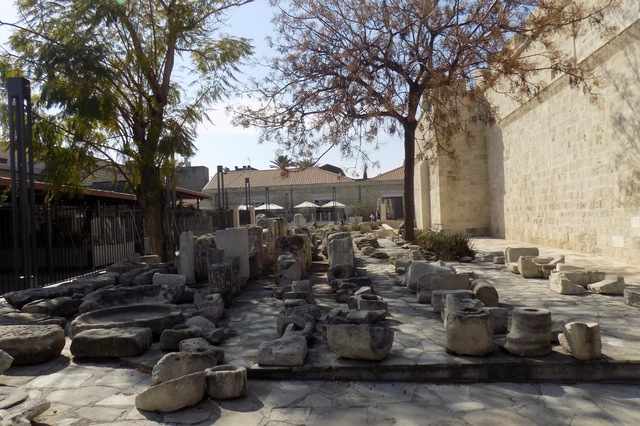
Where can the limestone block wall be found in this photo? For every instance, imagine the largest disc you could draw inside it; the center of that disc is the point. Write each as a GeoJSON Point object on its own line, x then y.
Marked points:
{"type": "Point", "coordinates": [452, 183]}
{"type": "Point", "coordinates": [360, 196]}
{"type": "Point", "coordinates": [565, 167]}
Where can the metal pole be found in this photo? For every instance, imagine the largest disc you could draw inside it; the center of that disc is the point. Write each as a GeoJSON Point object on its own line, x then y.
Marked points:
{"type": "Point", "coordinates": [22, 194]}
{"type": "Point", "coordinates": [219, 182]}
{"type": "Point", "coordinates": [266, 190]}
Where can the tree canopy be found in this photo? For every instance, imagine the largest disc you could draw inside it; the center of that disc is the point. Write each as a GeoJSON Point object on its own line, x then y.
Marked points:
{"type": "Point", "coordinates": [126, 82]}
{"type": "Point", "coordinates": [351, 66]}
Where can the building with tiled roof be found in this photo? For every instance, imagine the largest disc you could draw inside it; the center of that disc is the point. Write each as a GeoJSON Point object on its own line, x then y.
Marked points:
{"type": "Point", "coordinates": [293, 186]}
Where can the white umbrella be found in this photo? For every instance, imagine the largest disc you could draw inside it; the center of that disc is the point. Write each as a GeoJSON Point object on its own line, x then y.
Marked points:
{"type": "Point", "coordinates": [334, 204]}
{"type": "Point", "coordinates": [306, 205]}
{"type": "Point", "coordinates": [271, 206]}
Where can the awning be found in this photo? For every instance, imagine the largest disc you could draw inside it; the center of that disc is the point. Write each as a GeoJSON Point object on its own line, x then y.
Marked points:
{"type": "Point", "coordinates": [306, 205]}
{"type": "Point", "coordinates": [271, 206]}
{"type": "Point", "coordinates": [336, 204]}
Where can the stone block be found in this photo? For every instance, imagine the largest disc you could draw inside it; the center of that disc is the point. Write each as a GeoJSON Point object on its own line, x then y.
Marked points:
{"type": "Point", "coordinates": [340, 253]}
{"type": "Point", "coordinates": [289, 350]}
{"type": "Point", "coordinates": [438, 298]}
{"type": "Point", "coordinates": [5, 361]}
{"type": "Point", "coordinates": [513, 267]}
{"type": "Point", "coordinates": [31, 344]}
{"type": "Point", "coordinates": [441, 282]}
{"type": "Point", "coordinates": [178, 364]}
{"type": "Point", "coordinates": [512, 254]}
{"type": "Point", "coordinates": [111, 343]}
{"type": "Point", "coordinates": [529, 332]}
{"type": "Point", "coordinates": [210, 306]}
{"type": "Point", "coordinates": [528, 268]}
{"type": "Point", "coordinates": [201, 345]}
{"type": "Point", "coordinates": [186, 261]}
{"type": "Point", "coordinates": [469, 332]}
{"type": "Point", "coordinates": [170, 338]}
{"type": "Point", "coordinates": [582, 340]}
{"type": "Point", "coordinates": [360, 341]}
{"type": "Point", "coordinates": [289, 269]}
{"type": "Point", "coordinates": [612, 285]}
{"type": "Point", "coordinates": [370, 302]}
{"type": "Point", "coordinates": [632, 296]}
{"type": "Point", "coordinates": [498, 260]}
{"type": "Point", "coordinates": [235, 243]}
{"type": "Point", "coordinates": [226, 382]}
{"type": "Point", "coordinates": [173, 395]}
{"type": "Point", "coordinates": [485, 292]}
{"type": "Point", "coordinates": [421, 271]}
{"type": "Point", "coordinates": [499, 318]}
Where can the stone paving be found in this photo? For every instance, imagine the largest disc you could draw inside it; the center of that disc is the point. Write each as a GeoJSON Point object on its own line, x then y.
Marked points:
{"type": "Point", "coordinates": [420, 336]}
{"type": "Point", "coordinates": [92, 393]}
{"type": "Point", "coordinates": [103, 394]}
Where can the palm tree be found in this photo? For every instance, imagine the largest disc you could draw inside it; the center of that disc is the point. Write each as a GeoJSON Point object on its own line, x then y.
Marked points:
{"type": "Point", "coordinates": [282, 162]}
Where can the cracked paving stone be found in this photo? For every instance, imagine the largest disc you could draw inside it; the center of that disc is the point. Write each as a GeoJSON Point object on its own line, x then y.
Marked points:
{"type": "Point", "coordinates": [100, 414]}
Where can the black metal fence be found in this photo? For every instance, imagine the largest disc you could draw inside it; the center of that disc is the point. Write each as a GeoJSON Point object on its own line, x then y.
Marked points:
{"type": "Point", "coordinates": [69, 241]}
{"type": "Point", "coordinates": [75, 240]}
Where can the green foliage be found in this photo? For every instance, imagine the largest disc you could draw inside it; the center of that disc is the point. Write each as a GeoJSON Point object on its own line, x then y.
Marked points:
{"type": "Point", "coordinates": [446, 245]}
{"type": "Point", "coordinates": [124, 81]}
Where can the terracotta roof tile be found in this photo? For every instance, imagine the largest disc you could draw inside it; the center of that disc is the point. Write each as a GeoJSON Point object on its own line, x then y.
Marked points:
{"type": "Point", "coordinates": [394, 174]}
{"type": "Point", "coordinates": [277, 177]}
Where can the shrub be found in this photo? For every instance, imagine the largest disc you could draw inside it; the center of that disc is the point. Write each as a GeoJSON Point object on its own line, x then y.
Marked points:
{"type": "Point", "coordinates": [446, 245]}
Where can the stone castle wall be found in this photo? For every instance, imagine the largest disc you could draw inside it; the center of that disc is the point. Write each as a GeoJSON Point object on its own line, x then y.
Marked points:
{"type": "Point", "coordinates": [563, 169]}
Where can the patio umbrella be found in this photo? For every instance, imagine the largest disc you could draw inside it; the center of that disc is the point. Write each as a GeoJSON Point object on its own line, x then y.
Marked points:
{"type": "Point", "coordinates": [271, 206]}
{"type": "Point", "coordinates": [306, 205]}
{"type": "Point", "coordinates": [334, 204]}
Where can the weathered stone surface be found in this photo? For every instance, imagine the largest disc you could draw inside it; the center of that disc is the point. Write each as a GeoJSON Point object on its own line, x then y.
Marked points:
{"type": "Point", "coordinates": [226, 382]}
{"type": "Point", "coordinates": [111, 343]}
{"type": "Point", "coordinates": [576, 277]}
{"type": "Point", "coordinates": [441, 282]}
{"type": "Point", "coordinates": [221, 277]}
{"type": "Point", "coordinates": [422, 271]}
{"type": "Point", "coordinates": [81, 287]}
{"type": "Point", "coordinates": [530, 332]}
{"type": "Point", "coordinates": [499, 318]}
{"type": "Point", "coordinates": [513, 268]}
{"type": "Point", "coordinates": [632, 296]}
{"type": "Point", "coordinates": [456, 302]}
{"type": "Point", "coordinates": [157, 317]}
{"type": "Point", "coordinates": [379, 254]}
{"type": "Point", "coordinates": [210, 306]}
{"type": "Point", "coordinates": [612, 285]}
{"type": "Point", "coordinates": [22, 414]}
{"type": "Point", "coordinates": [124, 296]}
{"type": "Point", "coordinates": [365, 317]}
{"type": "Point", "coordinates": [201, 345]}
{"type": "Point", "coordinates": [173, 287]}
{"type": "Point", "coordinates": [512, 254]}
{"type": "Point", "coordinates": [202, 323]}
{"type": "Point", "coordinates": [5, 361]}
{"type": "Point", "coordinates": [485, 292]}
{"type": "Point", "coordinates": [205, 252]}
{"type": "Point", "coordinates": [31, 344]}
{"type": "Point", "coordinates": [582, 340]}
{"type": "Point", "coordinates": [186, 257]}
{"type": "Point", "coordinates": [563, 285]}
{"type": "Point", "coordinates": [289, 350]}
{"type": "Point", "coordinates": [368, 250]}
{"type": "Point", "coordinates": [528, 268]}
{"type": "Point", "coordinates": [360, 341]}
{"type": "Point", "coordinates": [60, 306]}
{"type": "Point", "coordinates": [170, 338]}
{"type": "Point", "coordinates": [289, 269]}
{"type": "Point", "coordinates": [173, 395]}
{"type": "Point", "coordinates": [340, 253]}
{"type": "Point", "coordinates": [299, 314]}
{"type": "Point", "coordinates": [438, 298]}
{"type": "Point", "coordinates": [469, 332]}
{"type": "Point", "coordinates": [235, 243]}
{"type": "Point", "coordinates": [498, 260]}
{"type": "Point", "coordinates": [11, 396]}
{"type": "Point", "coordinates": [370, 302]}
{"type": "Point", "coordinates": [178, 364]}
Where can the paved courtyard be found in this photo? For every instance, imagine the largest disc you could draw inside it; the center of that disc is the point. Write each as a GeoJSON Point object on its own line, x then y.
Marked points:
{"type": "Point", "coordinates": [103, 393]}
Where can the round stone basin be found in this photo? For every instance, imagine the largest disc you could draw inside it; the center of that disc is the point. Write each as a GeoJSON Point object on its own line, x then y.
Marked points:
{"type": "Point", "coordinates": [157, 317]}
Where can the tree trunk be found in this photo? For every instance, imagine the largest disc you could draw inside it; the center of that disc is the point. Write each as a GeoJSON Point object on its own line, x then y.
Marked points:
{"type": "Point", "coordinates": [151, 200]}
{"type": "Point", "coordinates": [409, 159]}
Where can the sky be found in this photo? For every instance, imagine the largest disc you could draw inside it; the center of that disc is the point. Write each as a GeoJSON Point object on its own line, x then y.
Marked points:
{"type": "Point", "coordinates": [219, 142]}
